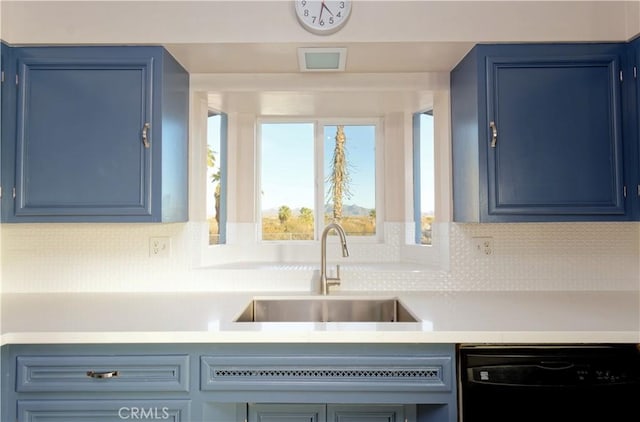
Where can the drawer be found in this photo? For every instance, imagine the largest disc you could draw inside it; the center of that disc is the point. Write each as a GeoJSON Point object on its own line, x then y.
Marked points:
{"type": "Point", "coordinates": [103, 410]}
{"type": "Point", "coordinates": [339, 374]}
{"type": "Point", "coordinates": [119, 373]}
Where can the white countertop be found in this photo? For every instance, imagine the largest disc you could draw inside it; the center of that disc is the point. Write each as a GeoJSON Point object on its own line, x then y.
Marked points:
{"type": "Point", "coordinates": [206, 317]}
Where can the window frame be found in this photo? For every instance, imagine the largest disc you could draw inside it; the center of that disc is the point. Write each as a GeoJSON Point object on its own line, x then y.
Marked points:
{"type": "Point", "coordinates": [224, 130]}
{"type": "Point", "coordinates": [417, 173]}
{"type": "Point", "coordinates": [244, 251]}
{"type": "Point", "coordinates": [319, 125]}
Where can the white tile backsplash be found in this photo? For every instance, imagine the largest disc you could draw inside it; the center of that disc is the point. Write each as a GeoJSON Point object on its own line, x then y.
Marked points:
{"type": "Point", "coordinates": [115, 257]}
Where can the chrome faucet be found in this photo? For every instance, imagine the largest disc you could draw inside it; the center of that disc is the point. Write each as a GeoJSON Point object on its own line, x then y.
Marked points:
{"type": "Point", "coordinates": [325, 281]}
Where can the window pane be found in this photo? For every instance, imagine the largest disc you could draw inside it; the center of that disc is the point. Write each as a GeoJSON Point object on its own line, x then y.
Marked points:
{"type": "Point", "coordinates": [287, 181]}
{"type": "Point", "coordinates": [424, 177]}
{"type": "Point", "coordinates": [350, 177]}
{"type": "Point", "coordinates": [214, 179]}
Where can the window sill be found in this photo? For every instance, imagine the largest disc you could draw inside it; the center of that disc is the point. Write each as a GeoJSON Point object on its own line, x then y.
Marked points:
{"type": "Point", "coordinates": [310, 267]}
{"type": "Point", "coordinates": [391, 255]}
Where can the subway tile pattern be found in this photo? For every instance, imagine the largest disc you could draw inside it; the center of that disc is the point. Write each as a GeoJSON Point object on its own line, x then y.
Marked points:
{"type": "Point", "coordinates": [115, 257]}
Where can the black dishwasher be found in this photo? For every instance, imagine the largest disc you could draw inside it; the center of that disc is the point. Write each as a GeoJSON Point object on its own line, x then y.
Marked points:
{"type": "Point", "coordinates": [582, 383]}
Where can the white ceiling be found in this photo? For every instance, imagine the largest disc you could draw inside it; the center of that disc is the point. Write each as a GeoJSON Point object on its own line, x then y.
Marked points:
{"type": "Point", "coordinates": [374, 57]}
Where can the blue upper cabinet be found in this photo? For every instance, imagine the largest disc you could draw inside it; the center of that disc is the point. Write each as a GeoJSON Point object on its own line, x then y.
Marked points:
{"type": "Point", "coordinates": [633, 117]}
{"type": "Point", "coordinates": [7, 114]}
{"type": "Point", "coordinates": [101, 135]}
{"type": "Point", "coordinates": [538, 133]}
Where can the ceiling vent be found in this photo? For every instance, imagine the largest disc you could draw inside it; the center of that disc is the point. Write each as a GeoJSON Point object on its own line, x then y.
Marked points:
{"type": "Point", "coordinates": [316, 59]}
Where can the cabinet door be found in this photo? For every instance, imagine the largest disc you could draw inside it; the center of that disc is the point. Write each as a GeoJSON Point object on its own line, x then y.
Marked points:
{"type": "Point", "coordinates": [7, 126]}
{"type": "Point", "coordinates": [80, 139]}
{"type": "Point", "coordinates": [287, 413]}
{"type": "Point", "coordinates": [554, 136]}
{"type": "Point", "coordinates": [633, 105]}
{"type": "Point", "coordinates": [366, 413]}
{"type": "Point", "coordinates": [103, 410]}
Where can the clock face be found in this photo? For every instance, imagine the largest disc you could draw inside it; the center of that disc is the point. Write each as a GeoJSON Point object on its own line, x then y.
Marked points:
{"type": "Point", "coordinates": [323, 16]}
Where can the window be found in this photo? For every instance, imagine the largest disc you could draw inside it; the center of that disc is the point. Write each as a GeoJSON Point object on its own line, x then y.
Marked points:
{"type": "Point", "coordinates": [287, 181]}
{"type": "Point", "coordinates": [216, 186]}
{"type": "Point", "coordinates": [350, 174]}
{"type": "Point", "coordinates": [423, 177]}
{"type": "Point", "coordinates": [314, 172]}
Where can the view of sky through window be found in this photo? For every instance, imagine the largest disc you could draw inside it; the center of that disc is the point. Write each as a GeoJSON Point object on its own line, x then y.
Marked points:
{"type": "Point", "coordinates": [287, 181]}
{"type": "Point", "coordinates": [213, 176]}
{"type": "Point", "coordinates": [287, 165]}
{"type": "Point", "coordinates": [361, 160]}
{"type": "Point", "coordinates": [425, 200]}
{"type": "Point", "coordinates": [288, 187]}
{"type": "Point", "coordinates": [427, 183]}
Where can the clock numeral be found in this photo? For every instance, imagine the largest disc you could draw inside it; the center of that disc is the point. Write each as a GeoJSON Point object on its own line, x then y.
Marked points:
{"type": "Point", "coordinates": [306, 12]}
{"type": "Point", "coordinates": [313, 19]}
{"type": "Point", "coordinates": [321, 22]}
{"type": "Point", "coordinates": [304, 2]}
{"type": "Point", "coordinates": [331, 20]}
{"type": "Point", "coordinates": [341, 5]}
{"type": "Point", "coordinates": [339, 15]}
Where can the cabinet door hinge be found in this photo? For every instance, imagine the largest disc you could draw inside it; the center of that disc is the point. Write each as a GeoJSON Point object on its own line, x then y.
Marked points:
{"type": "Point", "coordinates": [621, 78]}
{"type": "Point", "coordinates": [2, 77]}
{"type": "Point", "coordinates": [0, 192]}
{"type": "Point", "coordinates": [635, 72]}
{"type": "Point", "coordinates": [638, 190]}
{"type": "Point", "coordinates": [17, 79]}
{"type": "Point", "coordinates": [13, 192]}
{"type": "Point", "coordinates": [624, 191]}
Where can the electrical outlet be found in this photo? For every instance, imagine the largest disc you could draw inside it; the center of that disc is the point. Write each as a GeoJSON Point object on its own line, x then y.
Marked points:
{"type": "Point", "coordinates": [483, 245]}
{"type": "Point", "coordinates": [160, 247]}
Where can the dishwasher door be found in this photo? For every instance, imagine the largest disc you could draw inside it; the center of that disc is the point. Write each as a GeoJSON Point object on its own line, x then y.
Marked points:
{"type": "Point", "coordinates": [550, 384]}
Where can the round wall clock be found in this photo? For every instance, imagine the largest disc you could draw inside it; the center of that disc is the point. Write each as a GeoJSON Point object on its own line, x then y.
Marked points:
{"type": "Point", "coordinates": [323, 16]}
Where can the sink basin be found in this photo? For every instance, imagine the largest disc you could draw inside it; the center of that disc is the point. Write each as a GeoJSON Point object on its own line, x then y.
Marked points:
{"type": "Point", "coordinates": [326, 310]}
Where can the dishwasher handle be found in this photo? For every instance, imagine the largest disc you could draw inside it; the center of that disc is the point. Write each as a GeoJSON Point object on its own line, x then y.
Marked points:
{"type": "Point", "coordinates": [555, 365]}
{"type": "Point", "coordinates": [533, 375]}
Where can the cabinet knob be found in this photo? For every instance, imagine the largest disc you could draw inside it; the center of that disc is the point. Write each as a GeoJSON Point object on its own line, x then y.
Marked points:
{"type": "Point", "coordinates": [145, 135]}
{"type": "Point", "coordinates": [494, 133]}
{"type": "Point", "coordinates": [102, 375]}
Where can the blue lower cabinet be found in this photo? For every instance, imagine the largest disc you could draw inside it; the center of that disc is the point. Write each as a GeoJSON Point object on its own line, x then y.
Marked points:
{"type": "Point", "coordinates": [103, 410]}
{"type": "Point", "coordinates": [287, 413]}
{"type": "Point", "coordinates": [228, 383]}
{"type": "Point", "coordinates": [370, 413]}
{"type": "Point", "coordinates": [221, 412]}
{"type": "Point", "coordinates": [331, 413]}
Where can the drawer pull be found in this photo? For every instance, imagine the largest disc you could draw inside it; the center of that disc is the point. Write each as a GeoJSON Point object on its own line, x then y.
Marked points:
{"type": "Point", "coordinates": [102, 375]}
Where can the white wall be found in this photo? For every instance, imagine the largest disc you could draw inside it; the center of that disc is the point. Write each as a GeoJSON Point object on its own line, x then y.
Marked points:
{"type": "Point", "coordinates": [274, 21]}
{"type": "Point", "coordinates": [633, 19]}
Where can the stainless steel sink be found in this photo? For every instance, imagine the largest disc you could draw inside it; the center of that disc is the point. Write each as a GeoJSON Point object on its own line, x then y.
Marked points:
{"type": "Point", "coordinates": [326, 310]}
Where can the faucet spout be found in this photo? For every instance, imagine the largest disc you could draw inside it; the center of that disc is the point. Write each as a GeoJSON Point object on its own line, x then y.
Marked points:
{"type": "Point", "coordinates": [325, 281]}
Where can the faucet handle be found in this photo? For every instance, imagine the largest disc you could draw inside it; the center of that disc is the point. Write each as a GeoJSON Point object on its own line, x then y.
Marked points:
{"type": "Point", "coordinates": [334, 281]}
{"type": "Point", "coordinates": [337, 277]}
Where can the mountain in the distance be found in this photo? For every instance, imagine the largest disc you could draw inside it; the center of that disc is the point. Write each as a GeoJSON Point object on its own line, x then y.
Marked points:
{"type": "Point", "coordinates": [352, 210]}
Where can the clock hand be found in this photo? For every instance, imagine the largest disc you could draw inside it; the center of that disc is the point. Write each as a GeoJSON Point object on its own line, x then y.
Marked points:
{"type": "Point", "coordinates": [324, 6]}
